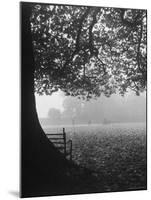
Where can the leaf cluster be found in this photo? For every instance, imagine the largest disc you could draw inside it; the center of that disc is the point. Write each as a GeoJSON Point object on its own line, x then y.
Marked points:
{"type": "Point", "coordinates": [87, 51]}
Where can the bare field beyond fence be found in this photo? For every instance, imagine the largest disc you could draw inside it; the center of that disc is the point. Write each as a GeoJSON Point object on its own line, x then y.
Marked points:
{"type": "Point", "coordinates": [116, 153]}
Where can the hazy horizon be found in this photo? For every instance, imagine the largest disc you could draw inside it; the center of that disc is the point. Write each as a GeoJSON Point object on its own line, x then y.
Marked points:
{"type": "Point", "coordinates": [130, 108]}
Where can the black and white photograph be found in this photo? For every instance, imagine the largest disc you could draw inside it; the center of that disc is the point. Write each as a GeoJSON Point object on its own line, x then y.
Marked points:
{"type": "Point", "coordinates": [83, 99]}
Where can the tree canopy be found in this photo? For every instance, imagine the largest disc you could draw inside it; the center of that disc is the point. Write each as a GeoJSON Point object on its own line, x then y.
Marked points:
{"type": "Point", "coordinates": [86, 51]}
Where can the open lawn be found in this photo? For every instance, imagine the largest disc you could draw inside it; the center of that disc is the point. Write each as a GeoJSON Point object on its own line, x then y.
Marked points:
{"type": "Point", "coordinates": [116, 153]}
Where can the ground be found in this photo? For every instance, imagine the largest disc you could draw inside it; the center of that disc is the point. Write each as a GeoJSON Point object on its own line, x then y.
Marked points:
{"type": "Point", "coordinates": [113, 154]}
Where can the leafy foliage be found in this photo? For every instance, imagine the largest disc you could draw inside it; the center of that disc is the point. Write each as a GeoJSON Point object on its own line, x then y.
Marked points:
{"type": "Point", "coordinates": [86, 51]}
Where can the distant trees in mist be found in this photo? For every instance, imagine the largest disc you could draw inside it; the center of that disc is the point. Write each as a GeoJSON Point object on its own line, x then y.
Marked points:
{"type": "Point", "coordinates": [113, 109]}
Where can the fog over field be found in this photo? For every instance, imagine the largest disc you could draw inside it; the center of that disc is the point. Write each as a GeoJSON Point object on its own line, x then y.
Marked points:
{"type": "Point", "coordinates": [60, 109]}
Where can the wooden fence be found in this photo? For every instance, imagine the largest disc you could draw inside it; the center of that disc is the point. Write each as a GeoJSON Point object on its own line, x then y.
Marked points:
{"type": "Point", "coordinates": [60, 142]}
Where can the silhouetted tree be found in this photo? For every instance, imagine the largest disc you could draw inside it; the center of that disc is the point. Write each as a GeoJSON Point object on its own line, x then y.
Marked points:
{"type": "Point", "coordinates": [83, 51]}
{"type": "Point", "coordinates": [54, 115]}
{"type": "Point", "coordinates": [72, 110]}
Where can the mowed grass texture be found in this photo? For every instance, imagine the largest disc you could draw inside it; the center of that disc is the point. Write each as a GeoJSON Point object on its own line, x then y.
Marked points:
{"type": "Point", "coordinates": [115, 153]}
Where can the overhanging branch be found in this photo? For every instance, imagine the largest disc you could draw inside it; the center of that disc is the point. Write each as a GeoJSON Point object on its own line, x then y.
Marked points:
{"type": "Point", "coordinates": [77, 46]}
{"type": "Point", "coordinates": [138, 47]}
{"type": "Point", "coordinates": [91, 46]}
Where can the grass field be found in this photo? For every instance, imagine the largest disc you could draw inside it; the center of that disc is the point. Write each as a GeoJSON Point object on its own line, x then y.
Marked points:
{"type": "Point", "coordinates": [116, 153]}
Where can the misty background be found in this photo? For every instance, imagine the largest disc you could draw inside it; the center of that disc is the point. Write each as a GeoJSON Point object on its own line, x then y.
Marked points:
{"type": "Point", "coordinates": [59, 109]}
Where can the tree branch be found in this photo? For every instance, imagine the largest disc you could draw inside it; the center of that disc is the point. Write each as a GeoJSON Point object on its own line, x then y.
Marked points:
{"type": "Point", "coordinates": [80, 29]}
{"type": "Point", "coordinates": [91, 46]}
{"type": "Point", "coordinates": [138, 48]}
{"type": "Point", "coordinates": [78, 37]}
{"type": "Point", "coordinates": [131, 24]}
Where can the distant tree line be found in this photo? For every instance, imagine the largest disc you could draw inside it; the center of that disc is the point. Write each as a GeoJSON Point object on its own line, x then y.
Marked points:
{"type": "Point", "coordinates": [77, 111]}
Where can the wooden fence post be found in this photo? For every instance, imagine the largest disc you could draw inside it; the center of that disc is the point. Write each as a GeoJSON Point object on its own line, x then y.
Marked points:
{"type": "Point", "coordinates": [64, 136]}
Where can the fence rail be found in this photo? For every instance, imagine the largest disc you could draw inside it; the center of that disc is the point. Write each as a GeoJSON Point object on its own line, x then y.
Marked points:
{"type": "Point", "coordinates": [59, 141]}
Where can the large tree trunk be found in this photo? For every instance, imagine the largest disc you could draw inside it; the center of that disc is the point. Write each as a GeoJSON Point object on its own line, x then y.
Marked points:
{"type": "Point", "coordinates": [43, 168]}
